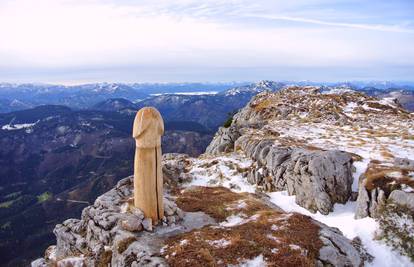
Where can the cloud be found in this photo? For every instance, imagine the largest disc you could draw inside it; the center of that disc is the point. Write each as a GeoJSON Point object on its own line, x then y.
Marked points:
{"type": "Point", "coordinates": [189, 34]}
{"type": "Point", "coordinates": [371, 27]}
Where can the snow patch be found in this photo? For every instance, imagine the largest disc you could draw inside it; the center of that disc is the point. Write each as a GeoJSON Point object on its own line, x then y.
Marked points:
{"type": "Point", "coordinates": [187, 93]}
{"type": "Point", "coordinates": [296, 247]}
{"type": "Point", "coordinates": [342, 217]}
{"type": "Point", "coordinates": [273, 238]}
{"type": "Point", "coordinates": [388, 101]}
{"type": "Point", "coordinates": [221, 243]}
{"type": "Point", "coordinates": [255, 262]}
{"type": "Point", "coordinates": [338, 91]}
{"type": "Point", "coordinates": [233, 220]}
{"type": "Point", "coordinates": [274, 227]}
{"type": "Point", "coordinates": [12, 127]}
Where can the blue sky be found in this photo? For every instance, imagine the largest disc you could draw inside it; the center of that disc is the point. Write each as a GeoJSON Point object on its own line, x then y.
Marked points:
{"type": "Point", "coordinates": [76, 41]}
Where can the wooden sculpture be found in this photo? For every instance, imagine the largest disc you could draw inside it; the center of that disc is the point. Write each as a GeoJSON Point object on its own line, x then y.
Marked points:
{"type": "Point", "coordinates": [148, 182]}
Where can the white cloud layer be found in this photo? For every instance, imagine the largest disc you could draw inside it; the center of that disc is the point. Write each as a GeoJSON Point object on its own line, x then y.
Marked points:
{"type": "Point", "coordinates": [76, 34]}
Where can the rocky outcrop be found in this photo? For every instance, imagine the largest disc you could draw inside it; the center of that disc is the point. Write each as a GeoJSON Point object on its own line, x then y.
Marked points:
{"type": "Point", "coordinates": [108, 232]}
{"type": "Point", "coordinates": [368, 202]}
{"type": "Point", "coordinates": [257, 224]}
{"type": "Point", "coordinates": [223, 140]}
{"type": "Point", "coordinates": [337, 251]}
{"type": "Point", "coordinates": [402, 198]}
{"type": "Point", "coordinates": [385, 182]}
{"type": "Point", "coordinates": [396, 222]}
{"type": "Point", "coordinates": [319, 179]}
{"type": "Point", "coordinates": [386, 194]}
{"type": "Point", "coordinates": [175, 168]}
{"type": "Point", "coordinates": [372, 202]}
{"type": "Point", "coordinates": [112, 232]}
{"type": "Point", "coordinates": [279, 132]}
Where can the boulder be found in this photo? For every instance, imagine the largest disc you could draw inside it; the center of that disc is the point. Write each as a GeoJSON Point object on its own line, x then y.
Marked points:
{"type": "Point", "coordinates": [319, 179]}
{"type": "Point", "coordinates": [337, 250]}
{"type": "Point", "coordinates": [224, 140]}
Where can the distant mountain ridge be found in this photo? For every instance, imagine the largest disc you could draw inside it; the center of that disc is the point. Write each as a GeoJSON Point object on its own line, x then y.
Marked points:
{"type": "Point", "coordinates": [23, 96]}
{"type": "Point", "coordinates": [209, 110]}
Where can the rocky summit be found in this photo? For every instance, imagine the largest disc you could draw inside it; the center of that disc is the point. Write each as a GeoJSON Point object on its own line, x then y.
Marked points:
{"type": "Point", "coordinates": [202, 226]}
{"type": "Point", "coordinates": [306, 176]}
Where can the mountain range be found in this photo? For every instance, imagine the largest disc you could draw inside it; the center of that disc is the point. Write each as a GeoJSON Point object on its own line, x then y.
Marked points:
{"type": "Point", "coordinates": [23, 96]}
{"type": "Point", "coordinates": [62, 146]}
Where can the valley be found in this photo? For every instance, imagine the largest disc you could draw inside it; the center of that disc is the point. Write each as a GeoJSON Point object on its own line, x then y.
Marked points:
{"type": "Point", "coordinates": [56, 159]}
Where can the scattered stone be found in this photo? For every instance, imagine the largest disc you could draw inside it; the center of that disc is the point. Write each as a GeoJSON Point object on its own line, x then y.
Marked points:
{"type": "Point", "coordinates": [147, 224]}
{"type": "Point", "coordinates": [109, 225]}
{"type": "Point", "coordinates": [404, 163]}
{"type": "Point", "coordinates": [132, 224]}
{"type": "Point", "coordinates": [39, 263]}
{"type": "Point", "coordinates": [137, 212]}
{"type": "Point", "coordinates": [171, 220]}
{"type": "Point", "coordinates": [72, 262]}
{"type": "Point", "coordinates": [402, 198]}
{"type": "Point", "coordinates": [174, 168]}
{"type": "Point", "coordinates": [114, 240]}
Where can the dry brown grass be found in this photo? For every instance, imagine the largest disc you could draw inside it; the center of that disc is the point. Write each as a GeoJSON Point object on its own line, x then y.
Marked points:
{"type": "Point", "coordinates": [386, 154]}
{"type": "Point", "coordinates": [408, 137]}
{"type": "Point", "coordinates": [247, 240]}
{"type": "Point", "coordinates": [289, 141]}
{"type": "Point", "coordinates": [355, 157]}
{"type": "Point", "coordinates": [379, 175]}
{"type": "Point", "coordinates": [217, 202]}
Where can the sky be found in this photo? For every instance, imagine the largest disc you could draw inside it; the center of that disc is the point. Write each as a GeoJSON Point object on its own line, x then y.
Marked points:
{"type": "Point", "coordinates": [80, 41]}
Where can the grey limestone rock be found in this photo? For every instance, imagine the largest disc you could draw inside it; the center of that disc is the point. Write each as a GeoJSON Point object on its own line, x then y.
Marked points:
{"type": "Point", "coordinates": [402, 198]}
{"type": "Point", "coordinates": [337, 250]}
{"type": "Point", "coordinates": [404, 162]}
{"type": "Point", "coordinates": [174, 167]}
{"type": "Point", "coordinates": [132, 224]}
{"type": "Point", "coordinates": [369, 202]}
{"type": "Point", "coordinates": [39, 263]}
{"type": "Point", "coordinates": [223, 140]}
{"type": "Point", "coordinates": [106, 231]}
{"type": "Point", "coordinates": [363, 202]}
{"type": "Point", "coordinates": [147, 224]}
{"type": "Point", "coordinates": [319, 179]}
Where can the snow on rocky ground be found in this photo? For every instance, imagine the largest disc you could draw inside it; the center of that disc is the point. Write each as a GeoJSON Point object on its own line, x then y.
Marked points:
{"type": "Point", "coordinates": [343, 218]}
{"type": "Point", "coordinates": [12, 127]}
{"type": "Point", "coordinates": [362, 141]}
{"type": "Point", "coordinates": [224, 173]}
{"type": "Point", "coordinates": [188, 93]}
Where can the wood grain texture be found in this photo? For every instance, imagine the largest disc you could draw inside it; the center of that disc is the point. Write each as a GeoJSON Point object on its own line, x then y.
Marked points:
{"type": "Point", "coordinates": [148, 181]}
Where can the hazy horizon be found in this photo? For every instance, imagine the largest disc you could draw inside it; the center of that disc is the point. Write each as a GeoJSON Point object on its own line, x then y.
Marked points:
{"type": "Point", "coordinates": [73, 41]}
{"type": "Point", "coordinates": [240, 82]}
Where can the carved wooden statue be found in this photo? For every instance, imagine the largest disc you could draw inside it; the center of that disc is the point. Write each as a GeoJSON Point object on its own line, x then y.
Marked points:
{"type": "Point", "coordinates": [148, 182]}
